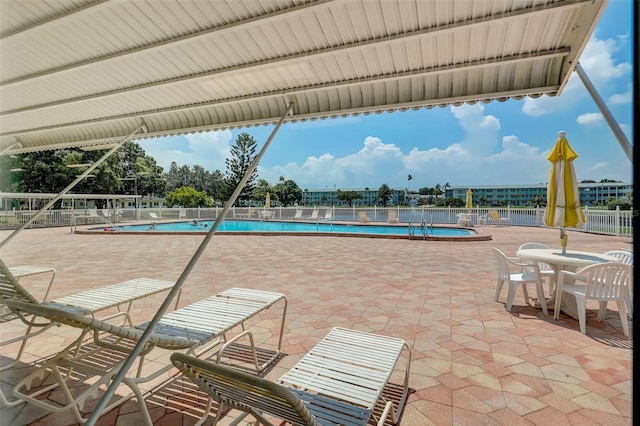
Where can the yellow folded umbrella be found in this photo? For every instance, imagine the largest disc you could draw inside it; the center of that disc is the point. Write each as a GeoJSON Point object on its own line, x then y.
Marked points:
{"type": "Point", "coordinates": [563, 198]}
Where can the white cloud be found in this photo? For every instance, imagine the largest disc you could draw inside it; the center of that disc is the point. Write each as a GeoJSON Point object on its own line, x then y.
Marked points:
{"type": "Point", "coordinates": [481, 158]}
{"type": "Point", "coordinates": [481, 130]}
{"type": "Point", "coordinates": [590, 119]}
{"type": "Point", "coordinates": [208, 149]}
{"type": "Point", "coordinates": [620, 98]}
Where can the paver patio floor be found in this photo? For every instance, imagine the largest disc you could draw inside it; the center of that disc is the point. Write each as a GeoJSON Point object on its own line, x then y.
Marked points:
{"type": "Point", "coordinates": [473, 362]}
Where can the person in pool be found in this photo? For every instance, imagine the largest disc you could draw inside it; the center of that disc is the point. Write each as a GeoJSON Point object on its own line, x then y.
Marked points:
{"type": "Point", "coordinates": [205, 225]}
{"type": "Point", "coordinates": [195, 222]}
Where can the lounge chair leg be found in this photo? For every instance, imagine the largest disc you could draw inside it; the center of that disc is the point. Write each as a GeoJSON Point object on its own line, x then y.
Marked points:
{"type": "Point", "coordinates": [253, 350]}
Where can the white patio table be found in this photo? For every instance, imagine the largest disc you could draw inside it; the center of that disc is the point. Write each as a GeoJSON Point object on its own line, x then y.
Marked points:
{"type": "Point", "coordinates": [569, 261]}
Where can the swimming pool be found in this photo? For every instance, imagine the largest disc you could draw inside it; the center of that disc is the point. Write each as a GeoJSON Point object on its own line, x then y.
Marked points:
{"type": "Point", "coordinates": [235, 227]}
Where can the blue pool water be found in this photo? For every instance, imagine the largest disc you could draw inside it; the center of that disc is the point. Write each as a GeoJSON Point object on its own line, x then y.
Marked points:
{"type": "Point", "coordinates": [244, 226]}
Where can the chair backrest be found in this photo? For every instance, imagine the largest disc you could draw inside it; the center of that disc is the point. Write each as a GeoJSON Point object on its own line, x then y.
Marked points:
{"type": "Point", "coordinates": [314, 213]}
{"type": "Point", "coordinates": [533, 245]}
{"type": "Point", "coordinates": [623, 256]}
{"type": "Point", "coordinates": [242, 391]}
{"type": "Point", "coordinates": [10, 289]}
{"type": "Point", "coordinates": [392, 215]}
{"type": "Point", "coordinates": [493, 214]}
{"type": "Point", "coordinates": [363, 215]}
{"type": "Point", "coordinates": [328, 214]}
{"type": "Point", "coordinates": [503, 265]}
{"type": "Point", "coordinates": [298, 214]}
{"type": "Point", "coordinates": [606, 281]}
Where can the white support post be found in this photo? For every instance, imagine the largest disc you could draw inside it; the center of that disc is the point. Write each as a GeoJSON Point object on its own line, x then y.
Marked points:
{"type": "Point", "coordinates": [615, 128]}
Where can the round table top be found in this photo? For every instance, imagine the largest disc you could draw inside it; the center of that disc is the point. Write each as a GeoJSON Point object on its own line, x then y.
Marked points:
{"type": "Point", "coordinates": [571, 257]}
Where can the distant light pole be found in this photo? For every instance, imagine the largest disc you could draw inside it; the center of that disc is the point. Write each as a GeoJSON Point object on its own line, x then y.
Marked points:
{"type": "Point", "coordinates": [134, 178]}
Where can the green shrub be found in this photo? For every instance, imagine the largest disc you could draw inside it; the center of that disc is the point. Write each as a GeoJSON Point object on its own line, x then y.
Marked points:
{"type": "Point", "coordinates": [623, 204]}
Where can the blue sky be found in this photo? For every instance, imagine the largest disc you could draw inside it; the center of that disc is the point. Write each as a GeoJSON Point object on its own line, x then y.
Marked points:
{"type": "Point", "coordinates": [483, 144]}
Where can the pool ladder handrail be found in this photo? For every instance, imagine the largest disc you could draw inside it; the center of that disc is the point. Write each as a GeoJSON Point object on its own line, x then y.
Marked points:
{"type": "Point", "coordinates": [423, 228]}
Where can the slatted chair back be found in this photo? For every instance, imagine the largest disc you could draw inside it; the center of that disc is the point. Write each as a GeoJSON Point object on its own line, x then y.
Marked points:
{"type": "Point", "coordinates": [606, 281]}
{"type": "Point", "coordinates": [623, 256]}
{"type": "Point", "coordinates": [241, 391]}
{"type": "Point", "coordinates": [11, 289]}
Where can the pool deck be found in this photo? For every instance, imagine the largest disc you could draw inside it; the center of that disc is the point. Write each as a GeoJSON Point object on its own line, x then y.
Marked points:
{"type": "Point", "coordinates": [473, 362]}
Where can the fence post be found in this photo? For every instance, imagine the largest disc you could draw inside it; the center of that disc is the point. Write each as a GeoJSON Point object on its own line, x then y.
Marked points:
{"type": "Point", "coordinates": [617, 219]}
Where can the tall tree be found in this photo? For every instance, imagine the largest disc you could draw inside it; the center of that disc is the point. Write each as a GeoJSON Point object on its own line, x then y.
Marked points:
{"type": "Point", "coordinates": [348, 196]}
{"type": "Point", "coordinates": [50, 171]}
{"type": "Point", "coordinates": [287, 192]}
{"type": "Point", "coordinates": [140, 172]}
{"type": "Point", "coordinates": [243, 152]}
{"type": "Point", "coordinates": [384, 194]}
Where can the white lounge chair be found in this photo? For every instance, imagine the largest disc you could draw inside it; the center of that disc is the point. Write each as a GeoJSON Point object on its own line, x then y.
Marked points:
{"type": "Point", "coordinates": [392, 216]}
{"type": "Point", "coordinates": [87, 303]}
{"type": "Point", "coordinates": [298, 214]}
{"type": "Point", "coordinates": [314, 215]}
{"type": "Point", "coordinates": [152, 215]}
{"type": "Point", "coordinates": [198, 328]}
{"type": "Point", "coordinates": [494, 218]}
{"type": "Point", "coordinates": [362, 217]}
{"type": "Point", "coordinates": [339, 381]}
{"type": "Point", "coordinates": [248, 214]}
{"type": "Point", "coordinates": [328, 215]}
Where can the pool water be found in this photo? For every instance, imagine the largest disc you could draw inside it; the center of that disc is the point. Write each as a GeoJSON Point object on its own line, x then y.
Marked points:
{"type": "Point", "coordinates": [248, 226]}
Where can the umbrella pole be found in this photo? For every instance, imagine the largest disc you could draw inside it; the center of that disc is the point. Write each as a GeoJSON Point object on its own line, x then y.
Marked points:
{"type": "Point", "coordinates": [563, 240]}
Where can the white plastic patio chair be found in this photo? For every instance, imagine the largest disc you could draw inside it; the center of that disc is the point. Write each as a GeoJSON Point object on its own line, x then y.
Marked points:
{"type": "Point", "coordinates": [623, 256]}
{"type": "Point", "coordinates": [464, 219]}
{"type": "Point", "coordinates": [603, 282]}
{"type": "Point", "coordinates": [626, 257]}
{"type": "Point", "coordinates": [518, 274]}
{"type": "Point", "coordinates": [545, 269]}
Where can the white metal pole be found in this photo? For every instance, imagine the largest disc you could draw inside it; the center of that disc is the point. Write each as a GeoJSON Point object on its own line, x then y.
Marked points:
{"type": "Point", "coordinates": [178, 285]}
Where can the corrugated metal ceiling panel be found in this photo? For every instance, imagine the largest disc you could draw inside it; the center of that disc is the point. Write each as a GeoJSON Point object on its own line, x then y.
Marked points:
{"type": "Point", "coordinates": [79, 72]}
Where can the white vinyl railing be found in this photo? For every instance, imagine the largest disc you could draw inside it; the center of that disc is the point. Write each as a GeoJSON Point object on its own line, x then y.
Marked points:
{"type": "Point", "coordinates": [609, 222]}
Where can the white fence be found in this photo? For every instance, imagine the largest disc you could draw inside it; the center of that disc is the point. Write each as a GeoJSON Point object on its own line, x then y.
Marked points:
{"type": "Point", "coordinates": [609, 222]}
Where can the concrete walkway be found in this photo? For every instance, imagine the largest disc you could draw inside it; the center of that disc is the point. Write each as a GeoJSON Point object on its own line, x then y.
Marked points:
{"type": "Point", "coordinates": [473, 362]}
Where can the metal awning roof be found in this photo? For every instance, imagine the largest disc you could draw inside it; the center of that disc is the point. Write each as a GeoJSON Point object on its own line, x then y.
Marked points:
{"type": "Point", "coordinates": [89, 72]}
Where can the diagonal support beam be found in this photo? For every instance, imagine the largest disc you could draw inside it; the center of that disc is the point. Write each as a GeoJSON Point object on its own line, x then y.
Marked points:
{"type": "Point", "coordinates": [71, 185]}
{"type": "Point", "coordinates": [97, 411]}
{"type": "Point", "coordinates": [615, 128]}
